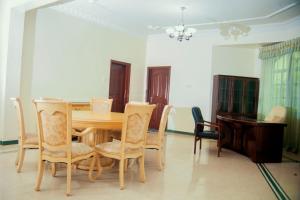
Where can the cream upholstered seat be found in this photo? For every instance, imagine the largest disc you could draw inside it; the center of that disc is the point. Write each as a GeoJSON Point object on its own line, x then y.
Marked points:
{"type": "Point", "coordinates": [156, 140]}
{"type": "Point", "coordinates": [277, 115]}
{"type": "Point", "coordinates": [55, 139]}
{"type": "Point", "coordinates": [26, 140]}
{"type": "Point", "coordinates": [134, 129]}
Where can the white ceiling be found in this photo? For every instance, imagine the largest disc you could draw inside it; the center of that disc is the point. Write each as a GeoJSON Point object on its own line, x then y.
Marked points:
{"type": "Point", "coordinates": [135, 16]}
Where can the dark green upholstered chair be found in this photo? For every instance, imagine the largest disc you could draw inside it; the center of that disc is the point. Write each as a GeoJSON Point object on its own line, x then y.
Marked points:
{"type": "Point", "coordinates": [201, 133]}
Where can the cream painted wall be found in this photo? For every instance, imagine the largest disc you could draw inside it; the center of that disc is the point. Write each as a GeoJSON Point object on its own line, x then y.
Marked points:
{"type": "Point", "coordinates": [195, 62]}
{"type": "Point", "coordinates": [235, 61]}
{"type": "Point", "coordinates": [70, 59]}
{"type": "Point", "coordinates": [12, 17]}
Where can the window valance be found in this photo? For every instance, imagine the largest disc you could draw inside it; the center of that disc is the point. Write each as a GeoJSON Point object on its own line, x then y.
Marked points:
{"type": "Point", "coordinates": [279, 49]}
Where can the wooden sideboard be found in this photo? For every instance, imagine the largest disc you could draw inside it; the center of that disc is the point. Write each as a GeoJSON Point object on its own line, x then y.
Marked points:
{"type": "Point", "coordinates": [259, 140]}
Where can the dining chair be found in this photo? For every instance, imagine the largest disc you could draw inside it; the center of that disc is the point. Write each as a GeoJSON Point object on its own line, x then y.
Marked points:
{"type": "Point", "coordinates": [55, 140]}
{"type": "Point", "coordinates": [101, 106]}
{"type": "Point", "coordinates": [132, 143]}
{"type": "Point", "coordinates": [156, 139]}
{"type": "Point", "coordinates": [26, 140]}
{"type": "Point", "coordinates": [200, 133]}
{"type": "Point", "coordinates": [139, 102]}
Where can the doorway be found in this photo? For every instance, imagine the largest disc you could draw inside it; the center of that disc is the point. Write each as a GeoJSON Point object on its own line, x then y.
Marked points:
{"type": "Point", "coordinates": [119, 84]}
{"type": "Point", "coordinates": [158, 84]}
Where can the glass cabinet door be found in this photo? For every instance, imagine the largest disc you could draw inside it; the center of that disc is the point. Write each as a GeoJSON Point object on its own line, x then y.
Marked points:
{"type": "Point", "coordinates": [250, 102]}
{"type": "Point", "coordinates": [224, 92]}
{"type": "Point", "coordinates": [237, 98]}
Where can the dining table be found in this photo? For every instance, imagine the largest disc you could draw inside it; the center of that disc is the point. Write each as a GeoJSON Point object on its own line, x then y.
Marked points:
{"type": "Point", "coordinates": [107, 126]}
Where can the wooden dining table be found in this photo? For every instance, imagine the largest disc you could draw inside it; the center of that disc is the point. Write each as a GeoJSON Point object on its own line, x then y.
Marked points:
{"type": "Point", "coordinates": [105, 125]}
{"type": "Point", "coordinates": [86, 119]}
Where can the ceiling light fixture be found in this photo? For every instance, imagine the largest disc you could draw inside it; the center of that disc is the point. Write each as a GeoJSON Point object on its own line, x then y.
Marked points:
{"type": "Point", "coordinates": [180, 31]}
{"type": "Point", "coordinates": [234, 30]}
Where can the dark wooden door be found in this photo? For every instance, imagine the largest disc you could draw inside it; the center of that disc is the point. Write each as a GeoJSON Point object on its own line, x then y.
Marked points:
{"type": "Point", "coordinates": [158, 92]}
{"type": "Point", "coordinates": [119, 85]}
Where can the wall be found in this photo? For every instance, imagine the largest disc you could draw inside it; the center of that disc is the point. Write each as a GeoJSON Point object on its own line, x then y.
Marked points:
{"type": "Point", "coordinates": [195, 62]}
{"type": "Point", "coordinates": [12, 17]}
{"type": "Point", "coordinates": [75, 64]}
{"type": "Point", "coordinates": [238, 61]}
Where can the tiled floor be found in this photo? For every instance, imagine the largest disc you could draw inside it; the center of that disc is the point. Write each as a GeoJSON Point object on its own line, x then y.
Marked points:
{"type": "Point", "coordinates": [203, 176]}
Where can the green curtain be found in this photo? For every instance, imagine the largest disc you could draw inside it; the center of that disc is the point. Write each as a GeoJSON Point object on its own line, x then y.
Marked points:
{"type": "Point", "coordinates": [280, 85]}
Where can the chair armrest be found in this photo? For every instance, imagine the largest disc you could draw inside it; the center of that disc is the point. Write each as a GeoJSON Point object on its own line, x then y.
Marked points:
{"type": "Point", "coordinates": [84, 132]}
{"type": "Point", "coordinates": [212, 125]}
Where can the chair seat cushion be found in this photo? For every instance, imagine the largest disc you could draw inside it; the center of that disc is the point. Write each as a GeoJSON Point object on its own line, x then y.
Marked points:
{"type": "Point", "coordinates": [31, 139]}
{"type": "Point", "coordinates": [152, 138]}
{"type": "Point", "coordinates": [78, 149]}
{"type": "Point", "coordinates": [114, 147]}
{"type": "Point", "coordinates": [208, 134]}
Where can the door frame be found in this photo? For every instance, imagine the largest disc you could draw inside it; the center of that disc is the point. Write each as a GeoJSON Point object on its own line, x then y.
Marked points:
{"type": "Point", "coordinates": [148, 80]}
{"type": "Point", "coordinates": [127, 78]}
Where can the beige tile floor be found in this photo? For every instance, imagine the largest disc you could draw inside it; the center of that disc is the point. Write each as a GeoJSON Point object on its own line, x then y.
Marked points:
{"type": "Point", "coordinates": [203, 176]}
{"type": "Point", "coordinates": [287, 174]}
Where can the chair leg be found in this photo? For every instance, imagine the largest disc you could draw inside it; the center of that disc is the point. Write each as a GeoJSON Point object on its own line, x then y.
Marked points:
{"type": "Point", "coordinates": [219, 148]}
{"type": "Point", "coordinates": [99, 167]}
{"type": "Point", "coordinates": [126, 165]}
{"type": "Point", "coordinates": [200, 143]}
{"type": "Point", "coordinates": [21, 159]}
{"type": "Point", "coordinates": [142, 168]}
{"type": "Point", "coordinates": [41, 169]}
{"type": "Point", "coordinates": [92, 166]}
{"type": "Point", "coordinates": [53, 169]}
{"type": "Point", "coordinates": [121, 173]}
{"type": "Point", "coordinates": [17, 158]}
{"type": "Point", "coordinates": [159, 159]}
{"type": "Point", "coordinates": [69, 177]}
{"type": "Point", "coordinates": [195, 143]}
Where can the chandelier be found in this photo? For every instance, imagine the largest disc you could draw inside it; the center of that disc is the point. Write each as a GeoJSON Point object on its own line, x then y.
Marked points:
{"type": "Point", "coordinates": [180, 31]}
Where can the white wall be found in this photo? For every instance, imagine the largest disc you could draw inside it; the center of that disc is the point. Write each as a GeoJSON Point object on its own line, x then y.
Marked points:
{"type": "Point", "coordinates": [194, 63]}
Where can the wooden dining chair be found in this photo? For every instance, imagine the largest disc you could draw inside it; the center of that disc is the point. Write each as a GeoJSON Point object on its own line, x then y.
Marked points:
{"type": "Point", "coordinates": [134, 130]}
{"type": "Point", "coordinates": [156, 139]}
{"type": "Point", "coordinates": [101, 106]}
{"type": "Point", "coordinates": [26, 140]}
{"type": "Point", "coordinates": [55, 139]}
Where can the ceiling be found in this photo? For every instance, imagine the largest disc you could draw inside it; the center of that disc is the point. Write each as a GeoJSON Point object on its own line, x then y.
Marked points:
{"type": "Point", "coordinates": [144, 17]}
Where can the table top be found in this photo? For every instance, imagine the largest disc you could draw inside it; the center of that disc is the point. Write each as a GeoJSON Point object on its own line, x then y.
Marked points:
{"type": "Point", "coordinates": [247, 120]}
{"type": "Point", "coordinates": [85, 119]}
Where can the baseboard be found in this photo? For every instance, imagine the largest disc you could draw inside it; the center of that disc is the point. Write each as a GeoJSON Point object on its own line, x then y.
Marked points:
{"type": "Point", "coordinates": [180, 132]}
{"type": "Point", "coordinates": [8, 142]}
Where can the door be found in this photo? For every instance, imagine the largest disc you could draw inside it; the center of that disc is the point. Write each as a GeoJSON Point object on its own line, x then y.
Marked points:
{"type": "Point", "coordinates": [119, 85]}
{"type": "Point", "coordinates": [158, 92]}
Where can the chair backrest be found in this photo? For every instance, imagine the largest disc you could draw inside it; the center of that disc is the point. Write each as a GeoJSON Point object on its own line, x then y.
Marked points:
{"type": "Point", "coordinates": [54, 125]}
{"type": "Point", "coordinates": [135, 125]}
{"type": "Point", "coordinates": [101, 106]}
{"type": "Point", "coordinates": [18, 105]}
{"type": "Point", "coordinates": [277, 115]}
{"type": "Point", "coordinates": [50, 98]}
{"type": "Point", "coordinates": [139, 102]}
{"type": "Point", "coordinates": [197, 115]}
{"type": "Point", "coordinates": [163, 121]}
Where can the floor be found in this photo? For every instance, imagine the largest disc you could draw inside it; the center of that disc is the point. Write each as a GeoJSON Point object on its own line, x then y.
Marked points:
{"type": "Point", "coordinates": [203, 176]}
